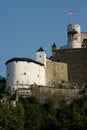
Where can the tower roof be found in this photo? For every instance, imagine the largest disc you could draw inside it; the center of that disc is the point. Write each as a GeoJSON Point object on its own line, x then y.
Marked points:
{"type": "Point", "coordinates": [23, 59]}
{"type": "Point", "coordinates": [40, 49]}
{"type": "Point", "coordinates": [54, 45]}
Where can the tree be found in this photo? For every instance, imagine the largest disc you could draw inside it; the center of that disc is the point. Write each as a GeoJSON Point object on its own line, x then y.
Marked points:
{"type": "Point", "coordinates": [33, 117]}
{"type": "Point", "coordinates": [11, 118]}
{"type": "Point", "coordinates": [49, 116]}
{"type": "Point", "coordinates": [63, 115]}
{"type": "Point", "coordinates": [33, 113]}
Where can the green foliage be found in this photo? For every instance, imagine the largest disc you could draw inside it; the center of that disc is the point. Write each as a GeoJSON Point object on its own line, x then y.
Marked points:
{"type": "Point", "coordinates": [19, 115]}
{"type": "Point", "coordinates": [11, 118]}
{"type": "Point", "coordinates": [79, 113]}
{"type": "Point", "coordinates": [33, 117]}
{"type": "Point", "coordinates": [27, 101]}
{"type": "Point", "coordinates": [29, 114]}
{"type": "Point", "coordinates": [4, 95]}
{"type": "Point", "coordinates": [49, 116]}
{"type": "Point", "coordinates": [33, 113]}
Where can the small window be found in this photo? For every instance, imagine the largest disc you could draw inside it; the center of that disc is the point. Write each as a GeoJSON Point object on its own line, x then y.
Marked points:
{"type": "Point", "coordinates": [7, 74]}
{"type": "Point", "coordinates": [25, 73]}
{"type": "Point", "coordinates": [17, 81]}
{"type": "Point", "coordinates": [40, 56]}
{"type": "Point", "coordinates": [58, 60]}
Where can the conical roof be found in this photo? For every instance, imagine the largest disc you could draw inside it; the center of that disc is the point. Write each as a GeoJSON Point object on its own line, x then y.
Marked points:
{"type": "Point", "coordinates": [40, 49]}
{"type": "Point", "coordinates": [54, 45]}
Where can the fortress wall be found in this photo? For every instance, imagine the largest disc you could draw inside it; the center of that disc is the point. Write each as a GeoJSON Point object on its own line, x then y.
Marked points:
{"type": "Point", "coordinates": [43, 93]}
{"type": "Point", "coordinates": [77, 63]}
{"type": "Point", "coordinates": [55, 72]}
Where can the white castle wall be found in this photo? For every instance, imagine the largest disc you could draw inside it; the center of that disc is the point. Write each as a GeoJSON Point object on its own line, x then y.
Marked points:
{"type": "Point", "coordinates": [24, 73]}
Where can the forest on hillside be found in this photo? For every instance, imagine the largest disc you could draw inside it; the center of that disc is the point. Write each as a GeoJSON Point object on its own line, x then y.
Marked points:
{"type": "Point", "coordinates": [30, 114]}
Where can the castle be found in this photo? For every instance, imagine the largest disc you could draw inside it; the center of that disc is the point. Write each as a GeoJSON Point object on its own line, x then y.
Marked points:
{"type": "Point", "coordinates": [24, 72]}
{"type": "Point", "coordinates": [67, 64]}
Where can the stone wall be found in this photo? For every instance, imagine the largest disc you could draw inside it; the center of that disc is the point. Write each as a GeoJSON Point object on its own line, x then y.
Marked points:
{"type": "Point", "coordinates": [76, 60]}
{"type": "Point", "coordinates": [55, 73]}
{"type": "Point", "coordinates": [44, 93]}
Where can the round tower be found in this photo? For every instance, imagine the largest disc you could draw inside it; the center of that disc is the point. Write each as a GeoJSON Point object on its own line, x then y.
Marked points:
{"type": "Point", "coordinates": [24, 72]}
{"type": "Point", "coordinates": [74, 36]}
{"type": "Point", "coordinates": [41, 56]}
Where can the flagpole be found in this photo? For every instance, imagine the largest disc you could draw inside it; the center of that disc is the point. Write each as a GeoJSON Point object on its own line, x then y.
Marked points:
{"type": "Point", "coordinates": [69, 16]}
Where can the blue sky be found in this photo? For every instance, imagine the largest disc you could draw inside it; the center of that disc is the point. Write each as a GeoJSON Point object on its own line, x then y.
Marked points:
{"type": "Point", "coordinates": [26, 25]}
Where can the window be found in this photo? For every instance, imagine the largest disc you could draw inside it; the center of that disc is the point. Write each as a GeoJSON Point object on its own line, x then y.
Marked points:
{"type": "Point", "coordinates": [7, 74]}
{"type": "Point", "coordinates": [58, 60]}
{"type": "Point", "coordinates": [17, 81]}
{"type": "Point", "coordinates": [24, 73]}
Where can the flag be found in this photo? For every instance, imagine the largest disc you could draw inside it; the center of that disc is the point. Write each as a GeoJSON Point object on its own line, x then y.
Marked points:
{"type": "Point", "coordinates": [71, 12]}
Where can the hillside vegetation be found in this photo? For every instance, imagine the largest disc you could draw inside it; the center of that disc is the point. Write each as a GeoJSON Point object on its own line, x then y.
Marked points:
{"type": "Point", "coordinates": [29, 114]}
